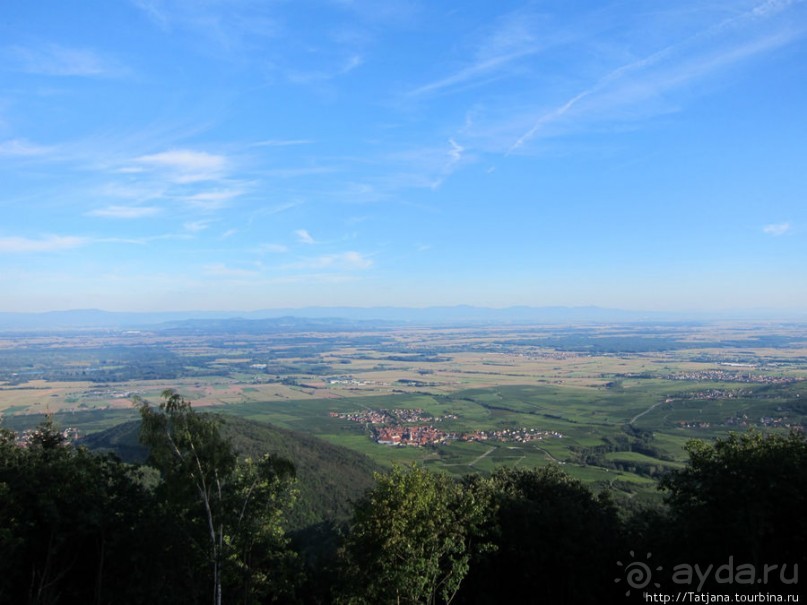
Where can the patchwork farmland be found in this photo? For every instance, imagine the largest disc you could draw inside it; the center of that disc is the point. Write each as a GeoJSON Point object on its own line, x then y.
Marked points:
{"type": "Point", "coordinates": [614, 404]}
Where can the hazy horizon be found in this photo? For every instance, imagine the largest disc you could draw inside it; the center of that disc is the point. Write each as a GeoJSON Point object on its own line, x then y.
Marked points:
{"type": "Point", "coordinates": [311, 316]}
{"type": "Point", "coordinates": [162, 154]}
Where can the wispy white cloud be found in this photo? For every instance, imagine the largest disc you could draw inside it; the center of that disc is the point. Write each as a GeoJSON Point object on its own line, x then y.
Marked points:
{"type": "Point", "coordinates": [304, 237]}
{"type": "Point", "coordinates": [455, 154]}
{"type": "Point", "coordinates": [22, 148]}
{"type": "Point", "coordinates": [222, 270]}
{"type": "Point", "coordinates": [273, 248]}
{"type": "Point", "coordinates": [390, 12]}
{"type": "Point", "coordinates": [130, 191]}
{"type": "Point", "coordinates": [282, 143]}
{"type": "Point", "coordinates": [703, 53]}
{"type": "Point", "coordinates": [155, 10]}
{"type": "Point", "coordinates": [56, 60]}
{"type": "Point", "coordinates": [354, 260]}
{"type": "Point", "coordinates": [777, 229]}
{"type": "Point", "coordinates": [211, 200]}
{"type": "Point", "coordinates": [344, 67]}
{"type": "Point", "coordinates": [425, 167]}
{"type": "Point", "coordinates": [267, 211]}
{"type": "Point", "coordinates": [230, 26]}
{"type": "Point", "coordinates": [196, 226]}
{"type": "Point", "coordinates": [130, 170]}
{"type": "Point", "coordinates": [548, 118]}
{"type": "Point", "coordinates": [185, 165]}
{"type": "Point", "coordinates": [51, 243]}
{"type": "Point", "coordinates": [482, 70]}
{"type": "Point", "coordinates": [342, 261]}
{"type": "Point", "coordinates": [361, 192]}
{"type": "Point", "coordinates": [286, 173]}
{"type": "Point", "coordinates": [771, 6]}
{"type": "Point", "coordinates": [513, 37]}
{"type": "Point", "coordinates": [125, 212]}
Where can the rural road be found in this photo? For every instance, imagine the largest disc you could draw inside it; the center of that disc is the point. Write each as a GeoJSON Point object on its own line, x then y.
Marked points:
{"type": "Point", "coordinates": [640, 414]}
{"type": "Point", "coordinates": [478, 458]}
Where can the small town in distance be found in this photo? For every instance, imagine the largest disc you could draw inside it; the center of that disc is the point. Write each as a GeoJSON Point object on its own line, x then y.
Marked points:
{"type": "Point", "coordinates": [395, 428]}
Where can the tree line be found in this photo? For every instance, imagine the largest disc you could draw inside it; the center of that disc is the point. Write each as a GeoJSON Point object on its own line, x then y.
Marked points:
{"type": "Point", "coordinates": [199, 524]}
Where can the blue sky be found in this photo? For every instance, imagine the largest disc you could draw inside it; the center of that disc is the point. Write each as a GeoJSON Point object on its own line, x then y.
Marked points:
{"type": "Point", "coordinates": [243, 155]}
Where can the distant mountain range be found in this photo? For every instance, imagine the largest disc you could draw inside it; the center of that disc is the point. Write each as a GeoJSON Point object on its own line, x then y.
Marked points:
{"type": "Point", "coordinates": [322, 318]}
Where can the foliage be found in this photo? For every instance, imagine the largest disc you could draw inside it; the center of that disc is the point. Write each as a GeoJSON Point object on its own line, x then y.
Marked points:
{"type": "Point", "coordinates": [411, 539]}
{"type": "Point", "coordinates": [78, 527]}
{"type": "Point", "coordinates": [329, 477]}
{"type": "Point", "coordinates": [68, 521]}
{"type": "Point", "coordinates": [742, 496]}
{"type": "Point", "coordinates": [555, 540]}
{"type": "Point", "coordinates": [234, 508]}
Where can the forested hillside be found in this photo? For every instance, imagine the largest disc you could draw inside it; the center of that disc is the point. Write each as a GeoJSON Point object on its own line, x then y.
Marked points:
{"type": "Point", "coordinates": [329, 477]}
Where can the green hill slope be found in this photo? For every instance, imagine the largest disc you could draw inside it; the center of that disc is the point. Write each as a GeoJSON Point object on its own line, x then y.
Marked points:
{"type": "Point", "coordinates": [329, 476]}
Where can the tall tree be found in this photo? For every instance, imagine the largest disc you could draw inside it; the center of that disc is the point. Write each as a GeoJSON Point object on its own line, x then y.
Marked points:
{"type": "Point", "coordinates": [742, 496]}
{"type": "Point", "coordinates": [68, 520]}
{"type": "Point", "coordinates": [241, 503]}
{"type": "Point", "coordinates": [555, 540]}
{"type": "Point", "coordinates": [260, 565]}
{"type": "Point", "coordinates": [193, 458]}
{"type": "Point", "coordinates": [410, 540]}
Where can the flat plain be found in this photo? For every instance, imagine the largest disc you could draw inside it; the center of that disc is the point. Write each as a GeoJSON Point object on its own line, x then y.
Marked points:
{"type": "Point", "coordinates": [615, 404]}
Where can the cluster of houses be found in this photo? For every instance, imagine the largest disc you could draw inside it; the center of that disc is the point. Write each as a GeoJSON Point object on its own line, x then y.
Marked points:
{"type": "Point", "coordinates": [395, 416]}
{"type": "Point", "coordinates": [710, 394]}
{"type": "Point", "coordinates": [108, 394]}
{"type": "Point", "coordinates": [346, 380]}
{"type": "Point", "coordinates": [520, 435]}
{"type": "Point", "coordinates": [730, 376]}
{"type": "Point", "coordinates": [397, 427]}
{"type": "Point", "coordinates": [410, 435]}
{"type": "Point", "coordinates": [693, 424]}
{"type": "Point", "coordinates": [428, 435]}
{"type": "Point", "coordinates": [743, 421]}
{"type": "Point", "coordinates": [766, 421]}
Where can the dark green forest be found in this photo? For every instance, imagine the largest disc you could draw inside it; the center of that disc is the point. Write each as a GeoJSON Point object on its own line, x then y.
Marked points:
{"type": "Point", "coordinates": [189, 507]}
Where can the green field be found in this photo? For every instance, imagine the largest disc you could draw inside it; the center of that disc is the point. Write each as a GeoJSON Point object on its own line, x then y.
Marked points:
{"type": "Point", "coordinates": [597, 444]}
